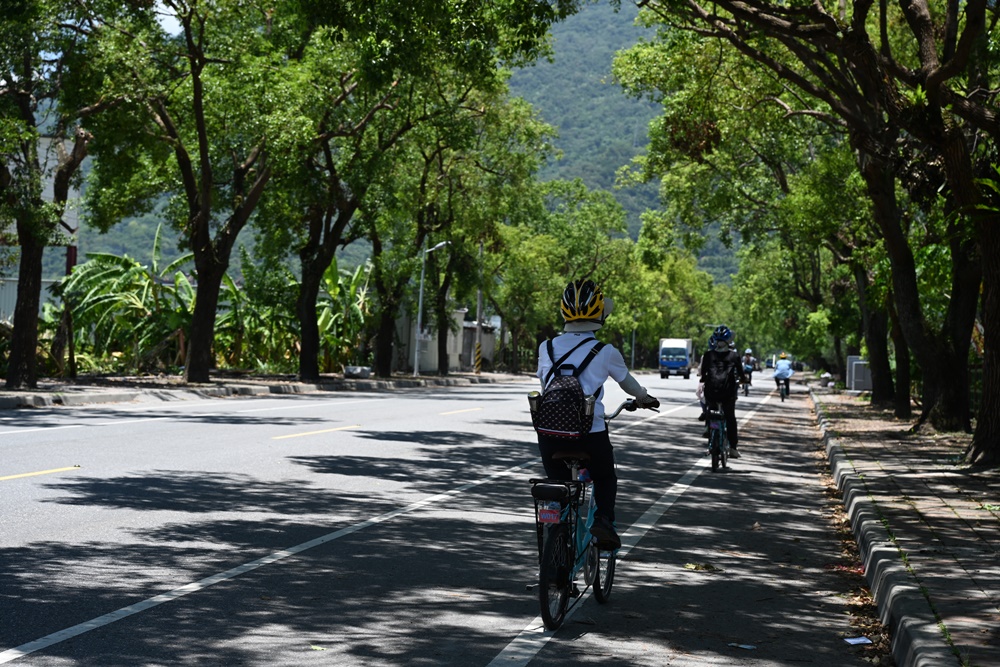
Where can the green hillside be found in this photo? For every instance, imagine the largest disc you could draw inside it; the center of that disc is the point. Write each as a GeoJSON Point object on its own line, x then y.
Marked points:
{"type": "Point", "coordinates": [600, 128]}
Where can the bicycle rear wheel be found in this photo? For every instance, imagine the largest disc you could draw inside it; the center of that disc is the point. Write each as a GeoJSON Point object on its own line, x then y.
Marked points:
{"type": "Point", "coordinates": [604, 576]}
{"type": "Point", "coordinates": [554, 584]}
{"type": "Point", "coordinates": [715, 447]}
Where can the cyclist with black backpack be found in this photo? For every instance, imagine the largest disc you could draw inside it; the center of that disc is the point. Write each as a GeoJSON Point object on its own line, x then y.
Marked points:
{"type": "Point", "coordinates": [721, 371]}
{"type": "Point", "coordinates": [573, 367]}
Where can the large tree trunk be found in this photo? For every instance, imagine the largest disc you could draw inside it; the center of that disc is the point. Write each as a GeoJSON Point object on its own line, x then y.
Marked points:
{"type": "Point", "coordinates": [326, 232]}
{"type": "Point", "coordinates": [942, 357]}
{"type": "Point", "coordinates": [876, 331]}
{"type": "Point", "coordinates": [383, 342]}
{"type": "Point", "coordinates": [985, 447]}
{"type": "Point", "coordinates": [309, 322]}
{"type": "Point", "coordinates": [902, 408]}
{"type": "Point", "coordinates": [22, 365]}
{"type": "Point", "coordinates": [515, 357]}
{"type": "Point", "coordinates": [443, 323]}
{"type": "Point", "coordinates": [202, 337]}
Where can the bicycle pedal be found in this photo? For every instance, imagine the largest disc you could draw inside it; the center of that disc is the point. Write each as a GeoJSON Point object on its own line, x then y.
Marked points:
{"type": "Point", "coordinates": [575, 593]}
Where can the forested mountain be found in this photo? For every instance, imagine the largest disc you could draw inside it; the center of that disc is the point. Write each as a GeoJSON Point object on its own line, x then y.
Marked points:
{"type": "Point", "coordinates": [600, 128]}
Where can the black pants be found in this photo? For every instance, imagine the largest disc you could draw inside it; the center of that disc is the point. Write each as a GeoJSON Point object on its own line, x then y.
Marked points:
{"type": "Point", "coordinates": [778, 381]}
{"type": "Point", "coordinates": [601, 466]}
{"type": "Point", "coordinates": [729, 407]}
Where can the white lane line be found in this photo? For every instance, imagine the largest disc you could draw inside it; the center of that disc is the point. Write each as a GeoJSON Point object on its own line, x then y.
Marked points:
{"type": "Point", "coordinates": [326, 430]}
{"type": "Point", "coordinates": [185, 415]}
{"type": "Point", "coordinates": [656, 415]}
{"type": "Point", "coordinates": [39, 472]}
{"type": "Point", "coordinates": [750, 414]}
{"type": "Point", "coordinates": [533, 638]}
{"type": "Point", "coordinates": [456, 412]}
{"type": "Point", "coordinates": [131, 421]}
{"type": "Point", "coordinates": [62, 635]}
{"type": "Point", "coordinates": [40, 429]}
{"type": "Point", "coordinates": [309, 405]}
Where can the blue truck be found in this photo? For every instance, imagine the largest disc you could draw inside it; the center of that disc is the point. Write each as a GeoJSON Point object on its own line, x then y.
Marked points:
{"type": "Point", "coordinates": [676, 357]}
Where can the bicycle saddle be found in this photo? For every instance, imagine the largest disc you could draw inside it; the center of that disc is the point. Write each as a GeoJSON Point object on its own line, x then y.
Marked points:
{"type": "Point", "coordinates": [570, 455]}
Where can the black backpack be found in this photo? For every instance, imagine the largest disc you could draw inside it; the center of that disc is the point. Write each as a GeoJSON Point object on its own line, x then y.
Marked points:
{"type": "Point", "coordinates": [562, 411]}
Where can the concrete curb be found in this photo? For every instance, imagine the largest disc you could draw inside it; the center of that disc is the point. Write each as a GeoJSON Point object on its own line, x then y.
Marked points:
{"type": "Point", "coordinates": [87, 397]}
{"type": "Point", "coordinates": [917, 640]}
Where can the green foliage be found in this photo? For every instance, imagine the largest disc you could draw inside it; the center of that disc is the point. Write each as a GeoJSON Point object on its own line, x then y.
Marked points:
{"type": "Point", "coordinates": [599, 129]}
{"type": "Point", "coordinates": [130, 312]}
{"type": "Point", "coordinates": [344, 314]}
{"type": "Point", "coordinates": [257, 327]}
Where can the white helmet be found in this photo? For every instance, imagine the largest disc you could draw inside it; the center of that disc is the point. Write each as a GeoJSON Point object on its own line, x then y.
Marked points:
{"type": "Point", "coordinates": [748, 351]}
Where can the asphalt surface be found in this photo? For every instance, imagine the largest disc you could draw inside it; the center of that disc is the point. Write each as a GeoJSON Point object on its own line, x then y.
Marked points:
{"type": "Point", "coordinates": [756, 537]}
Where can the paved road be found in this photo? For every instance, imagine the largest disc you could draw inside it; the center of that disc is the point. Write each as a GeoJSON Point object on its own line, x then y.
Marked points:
{"type": "Point", "coordinates": [395, 529]}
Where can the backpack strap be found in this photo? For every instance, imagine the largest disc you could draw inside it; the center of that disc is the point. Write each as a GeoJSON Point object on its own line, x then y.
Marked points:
{"type": "Point", "coordinates": [555, 364]}
{"type": "Point", "coordinates": [590, 357]}
{"type": "Point", "coordinates": [577, 370]}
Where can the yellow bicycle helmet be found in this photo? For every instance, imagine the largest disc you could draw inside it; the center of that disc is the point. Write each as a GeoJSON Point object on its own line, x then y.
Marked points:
{"type": "Point", "coordinates": [782, 356]}
{"type": "Point", "coordinates": [582, 301]}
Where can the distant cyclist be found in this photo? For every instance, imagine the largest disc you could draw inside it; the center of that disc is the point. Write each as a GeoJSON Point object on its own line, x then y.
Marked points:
{"type": "Point", "coordinates": [749, 364]}
{"type": "Point", "coordinates": [720, 371]}
{"type": "Point", "coordinates": [584, 309]}
{"type": "Point", "coordinates": [782, 372]}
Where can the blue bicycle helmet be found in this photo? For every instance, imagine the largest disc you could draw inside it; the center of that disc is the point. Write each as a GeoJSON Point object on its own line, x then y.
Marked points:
{"type": "Point", "coordinates": [723, 336]}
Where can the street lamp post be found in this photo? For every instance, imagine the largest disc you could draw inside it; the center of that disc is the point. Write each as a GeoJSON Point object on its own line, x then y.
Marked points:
{"type": "Point", "coordinates": [420, 307]}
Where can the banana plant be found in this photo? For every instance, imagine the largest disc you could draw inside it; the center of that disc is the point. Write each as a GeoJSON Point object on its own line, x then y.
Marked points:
{"type": "Point", "coordinates": [343, 312]}
{"type": "Point", "coordinates": [129, 311]}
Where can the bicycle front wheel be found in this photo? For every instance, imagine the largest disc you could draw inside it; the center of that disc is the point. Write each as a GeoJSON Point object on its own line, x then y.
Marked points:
{"type": "Point", "coordinates": [604, 576]}
{"type": "Point", "coordinates": [554, 577]}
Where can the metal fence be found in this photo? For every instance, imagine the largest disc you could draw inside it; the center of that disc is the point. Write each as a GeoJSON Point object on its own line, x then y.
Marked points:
{"type": "Point", "coordinates": [8, 297]}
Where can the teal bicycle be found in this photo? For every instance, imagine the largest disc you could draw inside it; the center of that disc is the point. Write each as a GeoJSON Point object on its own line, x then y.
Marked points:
{"type": "Point", "coordinates": [718, 443]}
{"type": "Point", "coordinates": [564, 513]}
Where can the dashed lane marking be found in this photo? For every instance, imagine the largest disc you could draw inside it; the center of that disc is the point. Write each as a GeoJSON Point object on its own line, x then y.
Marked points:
{"type": "Point", "coordinates": [326, 430]}
{"type": "Point", "coordinates": [40, 472]}
{"type": "Point", "coordinates": [455, 412]}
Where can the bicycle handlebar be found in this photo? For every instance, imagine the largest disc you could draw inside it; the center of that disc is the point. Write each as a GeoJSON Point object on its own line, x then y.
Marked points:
{"type": "Point", "coordinates": [629, 405]}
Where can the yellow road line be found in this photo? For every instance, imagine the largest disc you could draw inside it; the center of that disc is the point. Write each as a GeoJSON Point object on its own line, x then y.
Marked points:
{"type": "Point", "coordinates": [455, 412]}
{"type": "Point", "coordinates": [40, 472]}
{"type": "Point", "coordinates": [328, 430]}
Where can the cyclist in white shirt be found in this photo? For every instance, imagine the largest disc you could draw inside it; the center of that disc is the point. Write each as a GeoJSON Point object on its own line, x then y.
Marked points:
{"type": "Point", "coordinates": [584, 309]}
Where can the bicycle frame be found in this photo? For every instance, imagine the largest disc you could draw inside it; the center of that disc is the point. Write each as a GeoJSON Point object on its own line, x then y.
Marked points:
{"type": "Point", "coordinates": [718, 443]}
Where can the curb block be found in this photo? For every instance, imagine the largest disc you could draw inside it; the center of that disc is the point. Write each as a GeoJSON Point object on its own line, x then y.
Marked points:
{"type": "Point", "coordinates": [917, 641]}
{"type": "Point", "coordinates": [84, 399]}
{"type": "Point", "coordinates": [29, 400]}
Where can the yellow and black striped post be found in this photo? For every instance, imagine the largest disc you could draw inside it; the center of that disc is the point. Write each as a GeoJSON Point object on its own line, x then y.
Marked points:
{"type": "Point", "coordinates": [479, 358]}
